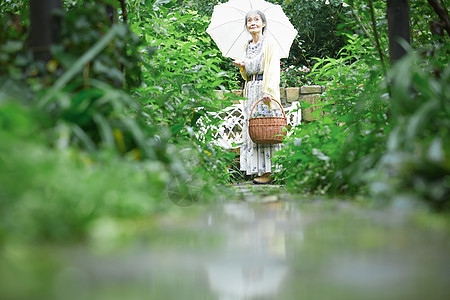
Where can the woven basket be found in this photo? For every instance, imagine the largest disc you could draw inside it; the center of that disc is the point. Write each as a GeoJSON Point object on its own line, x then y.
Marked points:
{"type": "Point", "coordinates": [267, 130]}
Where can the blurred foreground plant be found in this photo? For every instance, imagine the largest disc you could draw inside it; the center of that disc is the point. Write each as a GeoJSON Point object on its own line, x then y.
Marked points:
{"type": "Point", "coordinates": [77, 146]}
{"type": "Point", "coordinates": [416, 165]}
{"type": "Point", "coordinates": [49, 193]}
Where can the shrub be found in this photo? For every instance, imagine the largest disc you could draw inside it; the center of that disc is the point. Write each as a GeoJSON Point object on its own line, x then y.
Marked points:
{"type": "Point", "coordinates": [179, 84]}
{"type": "Point", "coordinates": [329, 155]}
{"type": "Point", "coordinates": [416, 164]}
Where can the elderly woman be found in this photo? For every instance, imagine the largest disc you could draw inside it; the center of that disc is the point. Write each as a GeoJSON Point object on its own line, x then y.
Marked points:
{"type": "Point", "coordinates": [261, 71]}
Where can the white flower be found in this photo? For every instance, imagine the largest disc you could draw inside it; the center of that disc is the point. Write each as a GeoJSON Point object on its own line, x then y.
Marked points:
{"type": "Point", "coordinates": [327, 2]}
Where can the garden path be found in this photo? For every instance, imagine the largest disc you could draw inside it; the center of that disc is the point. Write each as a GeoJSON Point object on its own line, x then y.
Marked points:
{"type": "Point", "coordinates": [260, 243]}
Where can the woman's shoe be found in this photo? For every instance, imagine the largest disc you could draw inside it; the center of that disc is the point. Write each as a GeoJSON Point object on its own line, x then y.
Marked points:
{"type": "Point", "coordinates": [266, 178]}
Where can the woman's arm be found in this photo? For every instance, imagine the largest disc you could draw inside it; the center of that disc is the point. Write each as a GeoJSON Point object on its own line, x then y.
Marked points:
{"type": "Point", "coordinates": [240, 64]}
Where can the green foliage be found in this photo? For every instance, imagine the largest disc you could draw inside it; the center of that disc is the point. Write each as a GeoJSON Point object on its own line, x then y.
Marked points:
{"type": "Point", "coordinates": [108, 127]}
{"type": "Point", "coordinates": [416, 164]}
{"type": "Point", "coordinates": [358, 20]}
{"type": "Point", "coordinates": [13, 6]}
{"type": "Point", "coordinates": [383, 135]}
{"type": "Point", "coordinates": [81, 28]}
{"type": "Point", "coordinates": [86, 111]}
{"type": "Point", "coordinates": [48, 193]}
{"type": "Point", "coordinates": [316, 23]}
{"type": "Point", "coordinates": [117, 123]}
{"type": "Point", "coordinates": [180, 76]}
{"type": "Point", "coordinates": [422, 17]}
{"type": "Point", "coordinates": [13, 60]}
{"type": "Point", "coordinates": [204, 7]}
{"type": "Point", "coordinates": [179, 83]}
{"type": "Point", "coordinates": [330, 154]}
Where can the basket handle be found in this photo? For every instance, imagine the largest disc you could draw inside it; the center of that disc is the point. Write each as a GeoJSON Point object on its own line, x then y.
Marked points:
{"type": "Point", "coordinates": [271, 99]}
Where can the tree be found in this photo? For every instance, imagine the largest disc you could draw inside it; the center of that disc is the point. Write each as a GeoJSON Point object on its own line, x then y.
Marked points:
{"type": "Point", "coordinates": [44, 27]}
{"type": "Point", "coordinates": [398, 28]}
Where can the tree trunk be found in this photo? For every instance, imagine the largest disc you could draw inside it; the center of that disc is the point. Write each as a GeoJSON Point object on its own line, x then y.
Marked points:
{"type": "Point", "coordinates": [398, 27]}
{"type": "Point", "coordinates": [123, 6]}
{"type": "Point", "coordinates": [44, 27]}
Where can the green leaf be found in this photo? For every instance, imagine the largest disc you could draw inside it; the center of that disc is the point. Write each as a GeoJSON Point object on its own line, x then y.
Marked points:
{"type": "Point", "coordinates": [105, 129]}
{"type": "Point", "coordinates": [176, 128]}
{"type": "Point", "coordinates": [12, 46]}
{"type": "Point", "coordinates": [419, 119]}
{"type": "Point", "coordinates": [113, 3]}
{"type": "Point", "coordinates": [78, 66]}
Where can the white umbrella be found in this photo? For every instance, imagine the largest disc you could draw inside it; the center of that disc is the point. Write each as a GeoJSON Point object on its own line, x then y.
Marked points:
{"type": "Point", "coordinates": [227, 27]}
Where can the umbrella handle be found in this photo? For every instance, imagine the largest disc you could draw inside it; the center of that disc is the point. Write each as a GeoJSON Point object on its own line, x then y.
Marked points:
{"type": "Point", "coordinates": [272, 99]}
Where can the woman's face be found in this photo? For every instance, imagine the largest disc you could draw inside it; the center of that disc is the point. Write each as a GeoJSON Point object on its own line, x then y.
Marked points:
{"type": "Point", "coordinates": [255, 23]}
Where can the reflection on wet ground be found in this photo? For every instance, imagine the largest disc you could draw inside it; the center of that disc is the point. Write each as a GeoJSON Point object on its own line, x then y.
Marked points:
{"type": "Point", "coordinates": [266, 247]}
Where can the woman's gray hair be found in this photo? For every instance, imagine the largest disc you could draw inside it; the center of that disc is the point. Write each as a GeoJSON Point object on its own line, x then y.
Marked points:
{"type": "Point", "coordinates": [256, 12]}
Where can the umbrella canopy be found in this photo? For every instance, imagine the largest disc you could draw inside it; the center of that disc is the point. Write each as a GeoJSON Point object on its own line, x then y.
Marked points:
{"type": "Point", "coordinates": [227, 27]}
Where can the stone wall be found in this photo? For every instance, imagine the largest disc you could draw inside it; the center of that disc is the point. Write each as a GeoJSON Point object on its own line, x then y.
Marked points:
{"type": "Point", "coordinates": [309, 93]}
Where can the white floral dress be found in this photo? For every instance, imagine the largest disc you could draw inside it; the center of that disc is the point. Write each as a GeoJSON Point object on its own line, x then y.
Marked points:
{"type": "Point", "coordinates": [255, 158]}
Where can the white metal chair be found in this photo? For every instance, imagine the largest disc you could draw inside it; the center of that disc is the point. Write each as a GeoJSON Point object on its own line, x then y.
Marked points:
{"type": "Point", "coordinates": [229, 134]}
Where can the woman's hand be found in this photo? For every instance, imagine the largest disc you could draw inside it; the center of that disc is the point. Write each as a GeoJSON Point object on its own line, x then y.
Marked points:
{"type": "Point", "coordinates": [238, 63]}
{"type": "Point", "coordinates": [266, 99]}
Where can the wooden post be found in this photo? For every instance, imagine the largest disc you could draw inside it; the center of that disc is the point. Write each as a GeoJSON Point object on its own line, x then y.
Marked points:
{"type": "Point", "coordinates": [398, 27]}
{"type": "Point", "coordinates": [44, 27]}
